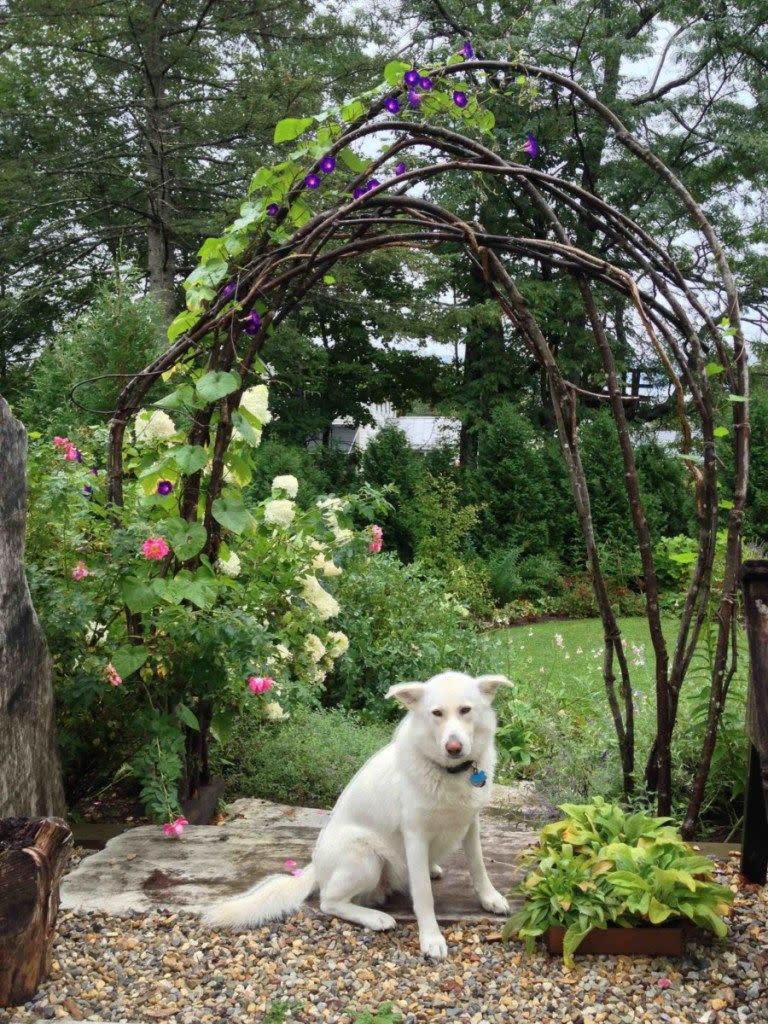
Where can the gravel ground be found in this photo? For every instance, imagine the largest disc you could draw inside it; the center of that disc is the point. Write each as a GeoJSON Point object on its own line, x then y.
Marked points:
{"type": "Point", "coordinates": [166, 967]}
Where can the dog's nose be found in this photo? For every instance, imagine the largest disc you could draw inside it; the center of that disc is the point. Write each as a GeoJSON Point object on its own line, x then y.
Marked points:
{"type": "Point", "coordinates": [454, 747]}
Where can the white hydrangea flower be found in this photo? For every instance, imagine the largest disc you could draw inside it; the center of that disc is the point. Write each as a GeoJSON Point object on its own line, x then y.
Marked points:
{"type": "Point", "coordinates": [342, 536]}
{"type": "Point", "coordinates": [153, 425]}
{"type": "Point", "coordinates": [318, 674]}
{"type": "Point", "coordinates": [229, 566]}
{"type": "Point", "coordinates": [96, 634]}
{"type": "Point", "coordinates": [275, 712]}
{"type": "Point", "coordinates": [283, 652]}
{"type": "Point", "coordinates": [326, 566]}
{"type": "Point", "coordinates": [331, 504]}
{"type": "Point", "coordinates": [255, 401]}
{"type": "Point", "coordinates": [314, 647]}
{"type": "Point", "coordinates": [279, 512]}
{"type": "Point", "coordinates": [286, 483]}
{"type": "Point", "coordinates": [337, 643]}
{"type": "Point", "coordinates": [315, 595]}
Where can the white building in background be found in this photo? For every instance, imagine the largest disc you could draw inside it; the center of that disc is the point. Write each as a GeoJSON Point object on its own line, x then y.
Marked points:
{"type": "Point", "coordinates": [423, 432]}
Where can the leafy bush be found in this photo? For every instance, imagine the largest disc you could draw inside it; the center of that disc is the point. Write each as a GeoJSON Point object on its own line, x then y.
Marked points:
{"type": "Point", "coordinates": [515, 576]}
{"type": "Point", "coordinates": [401, 625]}
{"type": "Point", "coordinates": [157, 645]}
{"type": "Point", "coordinates": [119, 334]}
{"type": "Point", "coordinates": [307, 760]}
{"type": "Point", "coordinates": [602, 866]}
{"type": "Point", "coordinates": [390, 460]}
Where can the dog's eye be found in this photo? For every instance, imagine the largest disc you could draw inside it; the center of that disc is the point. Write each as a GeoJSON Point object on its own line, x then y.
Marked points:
{"type": "Point", "coordinates": [437, 713]}
{"type": "Point", "coordinates": [464, 711]}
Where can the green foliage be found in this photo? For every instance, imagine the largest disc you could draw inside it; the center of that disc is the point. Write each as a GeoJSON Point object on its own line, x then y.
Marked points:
{"type": "Point", "coordinates": [386, 1014]}
{"type": "Point", "coordinates": [401, 625]}
{"type": "Point", "coordinates": [307, 760]}
{"type": "Point", "coordinates": [118, 334]}
{"type": "Point", "coordinates": [531, 577]}
{"type": "Point", "coordinates": [389, 459]}
{"type": "Point", "coordinates": [602, 866]}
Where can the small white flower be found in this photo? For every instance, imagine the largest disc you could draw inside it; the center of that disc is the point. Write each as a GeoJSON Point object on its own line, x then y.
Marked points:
{"type": "Point", "coordinates": [283, 652]}
{"type": "Point", "coordinates": [559, 640]}
{"type": "Point", "coordinates": [331, 504]}
{"type": "Point", "coordinates": [274, 712]}
{"type": "Point", "coordinates": [279, 512]}
{"type": "Point", "coordinates": [318, 674]}
{"type": "Point", "coordinates": [229, 566]}
{"type": "Point", "coordinates": [314, 647]}
{"type": "Point", "coordinates": [319, 598]}
{"type": "Point", "coordinates": [337, 643]}
{"type": "Point", "coordinates": [153, 425]}
{"type": "Point", "coordinates": [326, 566]}
{"type": "Point", "coordinates": [341, 535]}
{"type": "Point", "coordinates": [287, 483]}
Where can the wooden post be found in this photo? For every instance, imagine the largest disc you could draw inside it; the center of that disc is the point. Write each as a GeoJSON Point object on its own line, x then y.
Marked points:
{"type": "Point", "coordinates": [33, 855]}
{"type": "Point", "coordinates": [754, 850]}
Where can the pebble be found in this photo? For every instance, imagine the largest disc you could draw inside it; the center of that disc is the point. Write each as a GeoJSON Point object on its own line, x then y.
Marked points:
{"type": "Point", "coordinates": [166, 967]}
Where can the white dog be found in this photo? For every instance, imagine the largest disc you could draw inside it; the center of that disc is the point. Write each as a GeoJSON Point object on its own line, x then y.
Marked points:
{"type": "Point", "coordinates": [413, 803]}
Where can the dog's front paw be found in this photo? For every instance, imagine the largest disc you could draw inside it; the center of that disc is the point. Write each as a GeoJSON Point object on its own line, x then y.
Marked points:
{"type": "Point", "coordinates": [494, 902]}
{"type": "Point", "coordinates": [433, 945]}
{"type": "Point", "coordinates": [435, 872]}
{"type": "Point", "coordinates": [380, 921]}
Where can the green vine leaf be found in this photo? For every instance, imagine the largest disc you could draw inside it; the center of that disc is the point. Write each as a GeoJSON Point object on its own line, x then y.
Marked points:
{"type": "Point", "coordinates": [188, 717]}
{"type": "Point", "coordinates": [187, 539]}
{"type": "Point", "coordinates": [232, 514]}
{"type": "Point", "coordinates": [291, 127]}
{"type": "Point", "coordinates": [128, 660]}
{"type": "Point", "coordinates": [216, 384]}
{"type": "Point", "coordinates": [184, 322]}
{"type": "Point", "coordinates": [190, 458]}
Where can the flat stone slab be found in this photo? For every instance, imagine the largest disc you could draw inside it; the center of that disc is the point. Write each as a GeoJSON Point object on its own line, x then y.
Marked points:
{"type": "Point", "coordinates": [141, 870]}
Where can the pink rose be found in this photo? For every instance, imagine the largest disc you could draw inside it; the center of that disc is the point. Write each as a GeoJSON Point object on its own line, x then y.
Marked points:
{"type": "Point", "coordinates": [260, 684]}
{"type": "Point", "coordinates": [155, 548]}
{"type": "Point", "coordinates": [377, 539]}
{"type": "Point", "coordinates": [61, 442]}
{"type": "Point", "coordinates": [80, 571]}
{"type": "Point", "coordinates": [173, 829]}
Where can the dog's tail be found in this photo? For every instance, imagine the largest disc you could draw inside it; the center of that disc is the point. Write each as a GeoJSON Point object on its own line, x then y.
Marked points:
{"type": "Point", "coordinates": [270, 899]}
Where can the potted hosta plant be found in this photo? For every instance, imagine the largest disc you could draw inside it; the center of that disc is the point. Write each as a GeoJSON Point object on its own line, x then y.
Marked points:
{"type": "Point", "coordinates": [607, 881]}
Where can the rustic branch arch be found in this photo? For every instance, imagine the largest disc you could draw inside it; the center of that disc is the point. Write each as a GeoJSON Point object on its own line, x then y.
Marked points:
{"type": "Point", "coordinates": [624, 259]}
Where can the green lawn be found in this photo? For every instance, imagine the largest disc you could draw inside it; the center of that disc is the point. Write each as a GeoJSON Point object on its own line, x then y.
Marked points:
{"type": "Point", "coordinates": [555, 726]}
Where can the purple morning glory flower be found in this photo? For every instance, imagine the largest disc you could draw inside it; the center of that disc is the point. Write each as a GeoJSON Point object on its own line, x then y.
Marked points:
{"type": "Point", "coordinates": [272, 210]}
{"type": "Point", "coordinates": [164, 487]}
{"type": "Point", "coordinates": [312, 181]}
{"type": "Point", "coordinates": [460, 98]}
{"type": "Point", "coordinates": [87, 491]}
{"type": "Point", "coordinates": [253, 323]}
{"type": "Point", "coordinates": [411, 78]}
{"type": "Point", "coordinates": [392, 104]}
{"type": "Point", "coordinates": [328, 164]}
{"type": "Point", "coordinates": [228, 290]}
{"type": "Point", "coordinates": [94, 470]}
{"type": "Point", "coordinates": [400, 168]}
{"type": "Point", "coordinates": [373, 183]}
{"type": "Point", "coordinates": [531, 145]}
{"type": "Point", "coordinates": [358, 191]}
{"type": "Point", "coordinates": [413, 98]}
{"type": "Point", "coordinates": [425, 84]}
{"type": "Point", "coordinates": [78, 455]}
{"type": "Point", "coordinates": [467, 51]}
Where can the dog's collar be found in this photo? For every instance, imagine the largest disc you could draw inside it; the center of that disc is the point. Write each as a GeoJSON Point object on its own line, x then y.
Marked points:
{"type": "Point", "coordinates": [456, 768]}
{"type": "Point", "coordinates": [478, 778]}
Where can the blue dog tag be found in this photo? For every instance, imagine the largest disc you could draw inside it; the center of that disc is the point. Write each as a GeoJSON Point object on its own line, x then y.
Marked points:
{"type": "Point", "coordinates": [478, 778]}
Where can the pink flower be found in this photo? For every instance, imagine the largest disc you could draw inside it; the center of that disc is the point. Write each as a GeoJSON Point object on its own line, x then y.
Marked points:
{"type": "Point", "coordinates": [173, 829]}
{"type": "Point", "coordinates": [155, 548]}
{"type": "Point", "coordinates": [113, 677]}
{"type": "Point", "coordinates": [80, 571]}
{"type": "Point", "coordinates": [260, 684]}
{"type": "Point", "coordinates": [296, 872]}
{"type": "Point", "coordinates": [72, 453]}
{"type": "Point", "coordinates": [664, 982]}
{"type": "Point", "coordinates": [377, 539]}
{"type": "Point", "coordinates": [289, 864]}
{"type": "Point", "coordinates": [61, 442]}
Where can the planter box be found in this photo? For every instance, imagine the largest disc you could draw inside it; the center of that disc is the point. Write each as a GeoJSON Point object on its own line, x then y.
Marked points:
{"type": "Point", "coordinates": [659, 940]}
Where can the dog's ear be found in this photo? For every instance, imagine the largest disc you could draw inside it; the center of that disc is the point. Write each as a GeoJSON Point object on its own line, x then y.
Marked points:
{"type": "Point", "coordinates": [408, 694]}
{"type": "Point", "coordinates": [488, 685]}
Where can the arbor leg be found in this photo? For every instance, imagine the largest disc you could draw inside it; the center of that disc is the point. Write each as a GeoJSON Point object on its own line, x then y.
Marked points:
{"type": "Point", "coordinates": [754, 849]}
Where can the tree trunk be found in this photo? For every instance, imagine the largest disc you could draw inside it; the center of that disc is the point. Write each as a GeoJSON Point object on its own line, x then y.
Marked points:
{"type": "Point", "coordinates": [33, 855]}
{"type": "Point", "coordinates": [161, 255]}
{"type": "Point", "coordinates": [30, 775]}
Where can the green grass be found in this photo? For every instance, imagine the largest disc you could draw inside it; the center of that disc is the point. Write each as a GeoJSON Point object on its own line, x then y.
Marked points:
{"type": "Point", "coordinates": [555, 725]}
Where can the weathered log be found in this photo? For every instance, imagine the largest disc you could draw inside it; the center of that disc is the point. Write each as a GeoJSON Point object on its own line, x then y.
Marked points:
{"type": "Point", "coordinates": [30, 776]}
{"type": "Point", "coordinates": [33, 855]}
